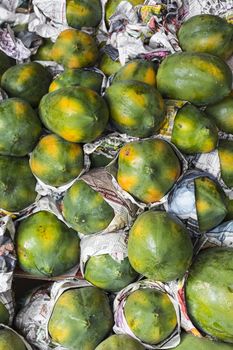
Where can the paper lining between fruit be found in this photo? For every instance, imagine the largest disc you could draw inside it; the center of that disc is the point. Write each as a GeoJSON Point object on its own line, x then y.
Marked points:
{"type": "Point", "coordinates": [7, 264]}
{"type": "Point", "coordinates": [121, 326]}
{"type": "Point", "coordinates": [113, 244]}
{"type": "Point", "coordinates": [33, 319]}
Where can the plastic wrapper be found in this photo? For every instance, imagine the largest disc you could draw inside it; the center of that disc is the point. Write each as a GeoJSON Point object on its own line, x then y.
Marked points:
{"type": "Point", "coordinates": [114, 244]}
{"type": "Point", "coordinates": [125, 211]}
{"type": "Point", "coordinates": [121, 326]}
{"type": "Point", "coordinates": [181, 200]}
{"type": "Point", "coordinates": [140, 31]}
{"type": "Point", "coordinates": [7, 264]}
{"type": "Point", "coordinates": [27, 346]}
{"type": "Point", "coordinates": [32, 320]}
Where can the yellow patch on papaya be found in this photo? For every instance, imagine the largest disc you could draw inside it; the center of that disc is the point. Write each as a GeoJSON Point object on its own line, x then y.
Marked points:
{"type": "Point", "coordinates": [139, 229]}
{"type": "Point", "coordinates": [138, 99]}
{"type": "Point", "coordinates": [173, 173]}
{"type": "Point", "coordinates": [210, 42]}
{"type": "Point", "coordinates": [20, 109]}
{"type": "Point", "coordinates": [59, 333]}
{"type": "Point", "coordinates": [152, 195]}
{"type": "Point", "coordinates": [160, 146]}
{"type": "Point", "coordinates": [128, 153]}
{"type": "Point", "coordinates": [57, 52]}
{"type": "Point", "coordinates": [129, 69]}
{"type": "Point", "coordinates": [74, 193]}
{"type": "Point", "coordinates": [123, 119]}
{"type": "Point", "coordinates": [68, 35]}
{"type": "Point", "coordinates": [74, 152]}
{"type": "Point", "coordinates": [73, 62]}
{"type": "Point", "coordinates": [89, 56]}
{"type": "Point", "coordinates": [47, 236]}
{"type": "Point", "coordinates": [37, 167]}
{"type": "Point", "coordinates": [140, 298]}
{"type": "Point", "coordinates": [81, 11]}
{"type": "Point", "coordinates": [25, 74]}
{"type": "Point", "coordinates": [202, 205]}
{"type": "Point", "coordinates": [84, 39]}
{"type": "Point", "coordinates": [226, 158]}
{"type": "Point", "coordinates": [54, 86]}
{"type": "Point", "coordinates": [210, 68]}
{"type": "Point", "coordinates": [150, 77]}
{"type": "Point", "coordinates": [208, 145]}
{"type": "Point", "coordinates": [70, 105]}
{"type": "Point", "coordinates": [50, 146]}
{"type": "Point", "coordinates": [127, 182]}
{"type": "Point", "coordinates": [71, 134]}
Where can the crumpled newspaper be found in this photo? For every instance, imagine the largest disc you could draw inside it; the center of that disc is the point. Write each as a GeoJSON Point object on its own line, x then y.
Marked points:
{"type": "Point", "coordinates": [32, 320]}
{"type": "Point", "coordinates": [7, 264]}
{"type": "Point", "coordinates": [114, 244]}
{"type": "Point", "coordinates": [27, 345]}
{"type": "Point", "coordinates": [121, 326]}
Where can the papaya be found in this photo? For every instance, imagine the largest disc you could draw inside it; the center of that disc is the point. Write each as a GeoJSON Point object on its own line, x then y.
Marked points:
{"type": "Point", "coordinates": [78, 77]}
{"type": "Point", "coordinates": [5, 63]}
{"type": "Point", "coordinates": [159, 246]}
{"type": "Point", "coordinates": [76, 114]}
{"type": "Point", "coordinates": [189, 342]}
{"type": "Point", "coordinates": [193, 132]}
{"type": "Point", "coordinates": [4, 314]}
{"type": "Point", "coordinates": [44, 51]}
{"type": "Point", "coordinates": [85, 209]}
{"type": "Point", "coordinates": [83, 13]}
{"type": "Point", "coordinates": [9, 340]}
{"type": "Point", "coordinates": [199, 78]}
{"type": "Point", "coordinates": [225, 153]}
{"type": "Point", "coordinates": [29, 81]}
{"type": "Point", "coordinates": [119, 342]}
{"type": "Point", "coordinates": [136, 108]}
{"type": "Point", "coordinates": [107, 273]}
{"type": "Point", "coordinates": [207, 33]}
{"type": "Point", "coordinates": [140, 70]}
{"type": "Point", "coordinates": [148, 169]}
{"type": "Point", "coordinates": [17, 184]}
{"type": "Point", "coordinates": [150, 315]}
{"type": "Point", "coordinates": [209, 294]}
{"type": "Point", "coordinates": [45, 246]}
{"type": "Point", "coordinates": [56, 161]}
{"type": "Point", "coordinates": [75, 49]}
{"type": "Point", "coordinates": [211, 203]}
{"type": "Point", "coordinates": [20, 127]}
{"type": "Point", "coordinates": [222, 114]}
{"type": "Point", "coordinates": [81, 318]}
{"type": "Point", "coordinates": [108, 66]}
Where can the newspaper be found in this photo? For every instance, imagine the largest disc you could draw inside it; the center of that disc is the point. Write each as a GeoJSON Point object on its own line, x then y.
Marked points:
{"type": "Point", "coordinates": [210, 163]}
{"type": "Point", "coordinates": [27, 345]}
{"type": "Point", "coordinates": [7, 264]}
{"type": "Point", "coordinates": [113, 244]}
{"type": "Point", "coordinates": [222, 8]}
{"type": "Point", "coordinates": [121, 326]}
{"type": "Point", "coordinates": [33, 319]}
{"type": "Point", "coordinates": [182, 202]}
